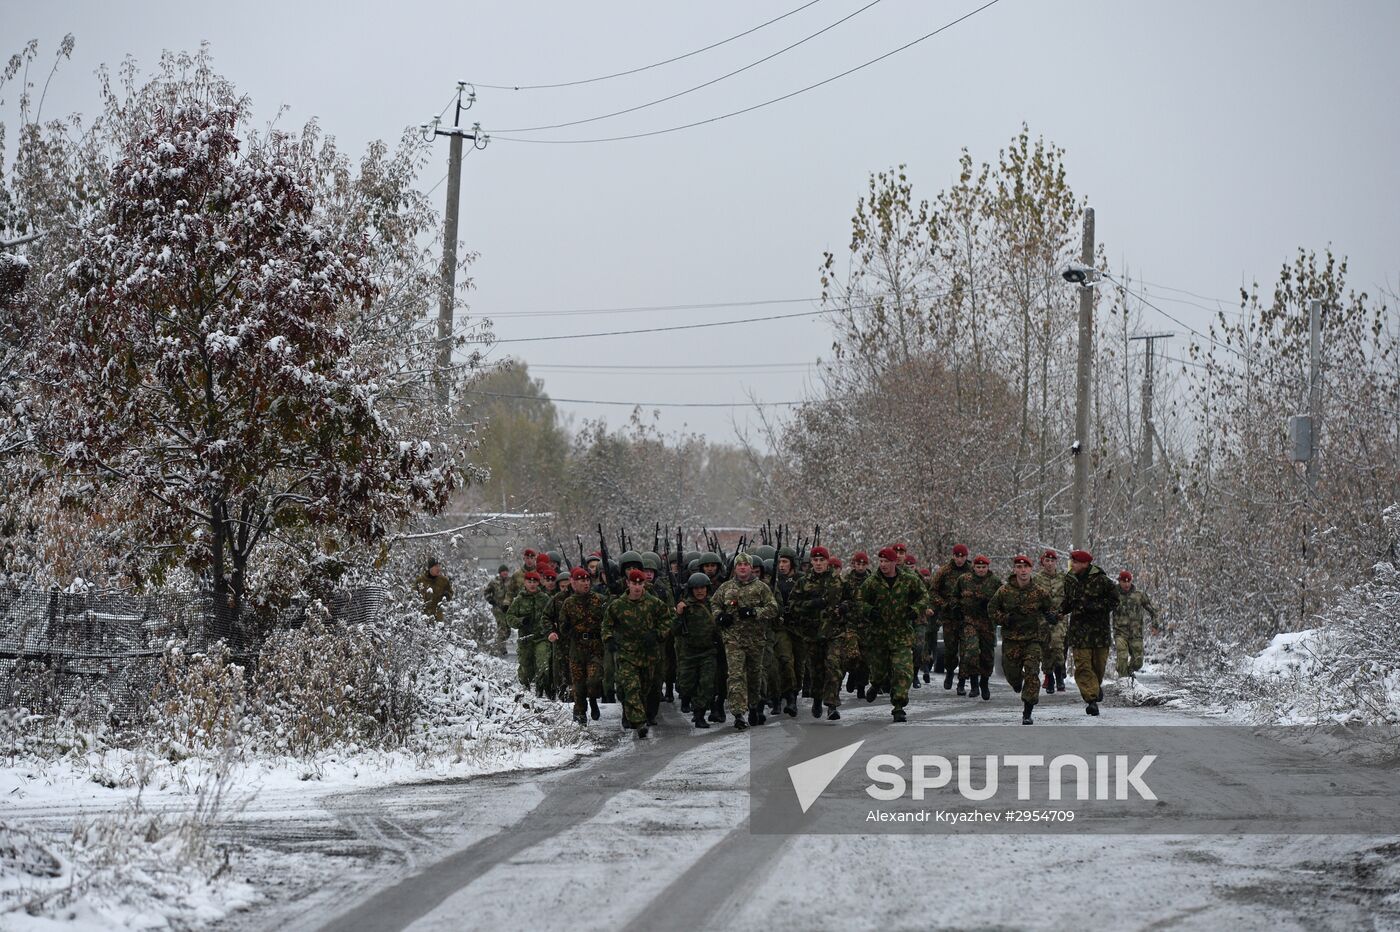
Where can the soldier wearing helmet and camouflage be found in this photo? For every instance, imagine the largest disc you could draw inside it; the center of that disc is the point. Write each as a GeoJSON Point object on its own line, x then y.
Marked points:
{"type": "Point", "coordinates": [745, 607]}
{"type": "Point", "coordinates": [697, 643]}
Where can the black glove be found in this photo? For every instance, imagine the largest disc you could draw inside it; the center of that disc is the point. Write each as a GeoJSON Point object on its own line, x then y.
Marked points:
{"type": "Point", "coordinates": [748, 612]}
{"type": "Point", "coordinates": [724, 619]}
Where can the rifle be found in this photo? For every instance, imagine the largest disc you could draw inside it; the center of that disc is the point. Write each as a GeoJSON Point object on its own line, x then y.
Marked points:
{"type": "Point", "coordinates": [582, 560]}
{"type": "Point", "coordinates": [607, 564]}
{"type": "Point", "coordinates": [565, 554]}
{"type": "Point", "coordinates": [656, 539]}
{"type": "Point", "coordinates": [773, 577]}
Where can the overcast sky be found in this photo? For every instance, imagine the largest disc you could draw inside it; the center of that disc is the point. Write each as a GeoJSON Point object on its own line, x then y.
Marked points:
{"type": "Point", "coordinates": [1213, 138]}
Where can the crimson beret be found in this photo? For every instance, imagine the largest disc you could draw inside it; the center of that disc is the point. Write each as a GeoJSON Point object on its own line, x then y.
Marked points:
{"type": "Point", "coordinates": [910, 559]}
{"type": "Point", "coordinates": [887, 553]}
{"type": "Point", "coordinates": [1081, 556]}
{"type": "Point", "coordinates": [836, 563]}
{"type": "Point", "coordinates": [1050, 555]}
{"type": "Point", "coordinates": [531, 574]}
{"type": "Point", "coordinates": [820, 551]}
{"type": "Point", "coordinates": [578, 572]}
{"type": "Point", "coordinates": [1125, 576]}
{"type": "Point", "coordinates": [860, 556]}
{"type": "Point", "coordinates": [982, 558]}
{"type": "Point", "coordinates": [960, 550]}
{"type": "Point", "coordinates": [527, 552]}
{"type": "Point", "coordinates": [1020, 560]}
{"type": "Point", "coordinates": [635, 575]}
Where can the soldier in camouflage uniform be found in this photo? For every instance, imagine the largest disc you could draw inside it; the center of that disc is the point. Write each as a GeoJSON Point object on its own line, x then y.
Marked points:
{"type": "Point", "coordinates": [660, 587]}
{"type": "Point", "coordinates": [790, 639]}
{"type": "Point", "coordinates": [527, 615]}
{"type": "Point", "coordinates": [930, 625]}
{"type": "Point", "coordinates": [815, 607]}
{"type": "Point", "coordinates": [709, 564]}
{"type": "Point", "coordinates": [1133, 604]}
{"type": "Point", "coordinates": [435, 588]}
{"type": "Point", "coordinates": [495, 593]}
{"type": "Point", "coordinates": [945, 603]}
{"type": "Point", "coordinates": [977, 651]}
{"type": "Point", "coordinates": [1021, 608]}
{"type": "Point", "coordinates": [857, 671]}
{"type": "Point", "coordinates": [891, 601]}
{"type": "Point", "coordinates": [697, 643]}
{"type": "Point", "coordinates": [559, 648]}
{"type": "Point", "coordinates": [516, 584]}
{"type": "Point", "coordinates": [581, 628]}
{"type": "Point", "coordinates": [1052, 580]}
{"type": "Point", "coordinates": [746, 607]}
{"type": "Point", "coordinates": [633, 626]}
{"type": "Point", "coordinates": [1090, 597]}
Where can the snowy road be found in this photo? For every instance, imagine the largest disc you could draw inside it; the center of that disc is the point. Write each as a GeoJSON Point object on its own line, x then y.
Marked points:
{"type": "Point", "coordinates": [642, 836]}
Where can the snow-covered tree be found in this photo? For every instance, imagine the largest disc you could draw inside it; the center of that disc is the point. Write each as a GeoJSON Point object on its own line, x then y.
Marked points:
{"type": "Point", "coordinates": [205, 361]}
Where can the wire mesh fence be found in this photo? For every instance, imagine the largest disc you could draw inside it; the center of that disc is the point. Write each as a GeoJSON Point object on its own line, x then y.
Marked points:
{"type": "Point", "coordinates": [97, 654]}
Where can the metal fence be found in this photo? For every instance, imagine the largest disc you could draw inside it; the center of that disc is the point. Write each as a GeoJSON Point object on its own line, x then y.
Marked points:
{"type": "Point", "coordinates": [96, 654]}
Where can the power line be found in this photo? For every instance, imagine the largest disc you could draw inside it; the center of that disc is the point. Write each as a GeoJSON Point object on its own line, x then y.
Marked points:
{"type": "Point", "coordinates": [724, 367]}
{"type": "Point", "coordinates": [691, 90]}
{"type": "Point", "coordinates": [621, 74]}
{"type": "Point", "coordinates": [651, 404]}
{"type": "Point", "coordinates": [585, 312]}
{"type": "Point", "coordinates": [1176, 320]}
{"type": "Point", "coordinates": [618, 333]}
{"type": "Point", "coordinates": [766, 103]}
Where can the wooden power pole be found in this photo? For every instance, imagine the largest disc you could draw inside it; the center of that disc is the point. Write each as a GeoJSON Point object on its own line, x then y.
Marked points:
{"type": "Point", "coordinates": [1084, 371]}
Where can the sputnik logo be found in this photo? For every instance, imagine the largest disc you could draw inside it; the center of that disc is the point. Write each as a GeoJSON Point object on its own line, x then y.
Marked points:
{"type": "Point", "coordinates": [813, 776]}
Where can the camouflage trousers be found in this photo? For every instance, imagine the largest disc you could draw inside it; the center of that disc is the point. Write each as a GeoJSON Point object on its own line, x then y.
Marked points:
{"type": "Point", "coordinates": [977, 651]}
{"type": "Point", "coordinates": [931, 645]}
{"type": "Point", "coordinates": [502, 631]}
{"type": "Point", "coordinates": [770, 675]}
{"type": "Point", "coordinates": [1090, 664]}
{"type": "Point", "coordinates": [890, 655]}
{"type": "Point", "coordinates": [921, 654]}
{"type": "Point", "coordinates": [834, 655]}
{"type": "Point", "coordinates": [586, 672]}
{"type": "Point", "coordinates": [1052, 654]}
{"type": "Point", "coordinates": [1127, 646]}
{"type": "Point", "coordinates": [562, 671]}
{"type": "Point", "coordinates": [695, 677]}
{"type": "Point", "coordinates": [1020, 664]}
{"type": "Point", "coordinates": [744, 651]}
{"type": "Point", "coordinates": [609, 673]}
{"type": "Point", "coordinates": [636, 674]}
{"type": "Point", "coordinates": [669, 668]}
{"type": "Point", "coordinates": [535, 663]}
{"type": "Point", "coordinates": [791, 651]}
{"type": "Point", "coordinates": [952, 637]}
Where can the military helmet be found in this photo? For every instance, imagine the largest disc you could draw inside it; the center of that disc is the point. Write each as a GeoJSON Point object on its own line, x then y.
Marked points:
{"type": "Point", "coordinates": [709, 556]}
{"type": "Point", "coordinates": [651, 561]}
{"type": "Point", "coordinates": [789, 553]}
{"type": "Point", "coordinates": [697, 580]}
{"type": "Point", "coordinates": [768, 567]}
{"type": "Point", "coordinates": [555, 557]}
{"type": "Point", "coordinates": [691, 556]}
{"type": "Point", "coordinates": [763, 552]}
{"type": "Point", "coordinates": [630, 556]}
{"type": "Point", "coordinates": [503, 568]}
{"type": "Point", "coordinates": [693, 566]}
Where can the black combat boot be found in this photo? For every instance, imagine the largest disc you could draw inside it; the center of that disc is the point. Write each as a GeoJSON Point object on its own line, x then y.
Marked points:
{"type": "Point", "coordinates": [609, 697]}
{"type": "Point", "coordinates": [898, 715]}
{"type": "Point", "coordinates": [986, 690]}
{"type": "Point", "coordinates": [593, 709]}
{"type": "Point", "coordinates": [948, 679]}
{"type": "Point", "coordinates": [717, 710]}
{"type": "Point", "coordinates": [914, 681]}
{"type": "Point", "coordinates": [1091, 709]}
{"type": "Point", "coordinates": [832, 714]}
{"type": "Point", "coordinates": [1047, 683]}
{"type": "Point", "coordinates": [1060, 678]}
{"type": "Point", "coordinates": [739, 722]}
{"type": "Point", "coordinates": [962, 686]}
{"type": "Point", "coordinates": [871, 692]}
{"type": "Point", "coordinates": [790, 707]}
{"type": "Point", "coordinates": [685, 703]}
{"type": "Point", "coordinates": [580, 718]}
{"type": "Point", "coordinates": [778, 705]}
{"type": "Point", "coordinates": [925, 674]}
{"type": "Point", "coordinates": [670, 693]}
{"type": "Point", "coordinates": [1100, 696]}
{"type": "Point", "coordinates": [641, 731]}
{"type": "Point", "coordinates": [1026, 713]}
{"type": "Point", "coordinates": [816, 708]}
{"type": "Point", "coordinates": [971, 686]}
{"type": "Point", "coordinates": [698, 719]}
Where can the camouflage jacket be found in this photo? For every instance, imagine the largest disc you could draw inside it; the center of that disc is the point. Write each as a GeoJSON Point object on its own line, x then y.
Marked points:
{"type": "Point", "coordinates": [514, 586]}
{"type": "Point", "coordinates": [1020, 610]}
{"type": "Point", "coordinates": [854, 615]}
{"type": "Point", "coordinates": [944, 589]}
{"type": "Point", "coordinates": [891, 604]}
{"type": "Point", "coordinates": [636, 626]}
{"type": "Point", "coordinates": [552, 610]}
{"type": "Point", "coordinates": [435, 590]}
{"type": "Point", "coordinates": [732, 595]}
{"type": "Point", "coordinates": [1132, 606]}
{"type": "Point", "coordinates": [1053, 583]}
{"type": "Point", "coordinates": [495, 593]}
{"type": "Point", "coordinates": [581, 617]}
{"type": "Point", "coordinates": [527, 612]}
{"type": "Point", "coordinates": [1089, 599]}
{"type": "Point", "coordinates": [813, 603]}
{"type": "Point", "coordinates": [973, 592]}
{"type": "Point", "coordinates": [695, 630]}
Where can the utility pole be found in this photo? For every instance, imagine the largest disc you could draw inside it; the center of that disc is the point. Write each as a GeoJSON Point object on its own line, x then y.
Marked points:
{"type": "Point", "coordinates": [446, 301]}
{"type": "Point", "coordinates": [1079, 531]}
{"type": "Point", "coordinates": [1149, 428]}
